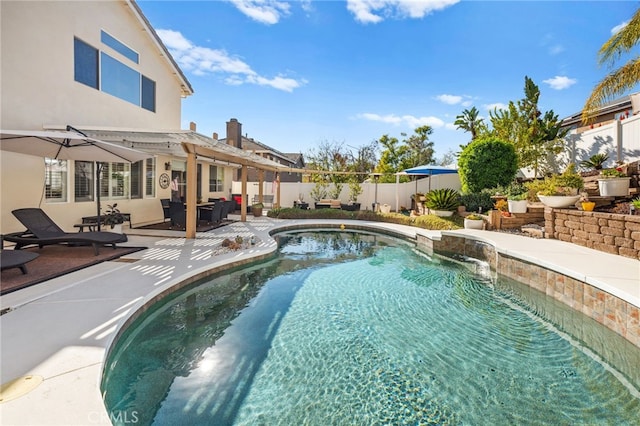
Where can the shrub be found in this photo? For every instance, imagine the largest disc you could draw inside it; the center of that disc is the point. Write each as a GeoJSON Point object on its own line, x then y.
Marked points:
{"type": "Point", "coordinates": [475, 201]}
{"type": "Point", "coordinates": [569, 178]}
{"type": "Point", "coordinates": [487, 163]}
{"type": "Point", "coordinates": [595, 162]}
{"type": "Point", "coordinates": [443, 199]}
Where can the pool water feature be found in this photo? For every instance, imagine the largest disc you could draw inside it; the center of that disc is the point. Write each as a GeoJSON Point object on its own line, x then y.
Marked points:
{"type": "Point", "coordinates": [348, 328]}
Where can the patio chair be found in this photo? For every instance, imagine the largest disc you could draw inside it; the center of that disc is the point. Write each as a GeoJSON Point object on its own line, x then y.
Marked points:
{"type": "Point", "coordinates": [165, 209]}
{"type": "Point", "coordinates": [177, 214]}
{"type": "Point", "coordinates": [213, 214]}
{"type": "Point", "coordinates": [228, 207]}
{"type": "Point", "coordinates": [42, 231]}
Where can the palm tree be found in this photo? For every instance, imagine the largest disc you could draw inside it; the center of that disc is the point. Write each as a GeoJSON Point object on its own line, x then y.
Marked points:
{"type": "Point", "coordinates": [469, 122]}
{"type": "Point", "coordinates": [621, 79]}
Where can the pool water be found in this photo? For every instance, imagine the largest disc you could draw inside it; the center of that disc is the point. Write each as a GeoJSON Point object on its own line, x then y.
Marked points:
{"type": "Point", "coordinates": [356, 329]}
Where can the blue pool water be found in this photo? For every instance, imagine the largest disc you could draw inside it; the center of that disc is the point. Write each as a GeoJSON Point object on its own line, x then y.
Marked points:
{"type": "Point", "coordinates": [355, 329]}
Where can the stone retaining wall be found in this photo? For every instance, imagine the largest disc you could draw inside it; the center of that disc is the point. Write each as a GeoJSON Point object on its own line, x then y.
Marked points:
{"type": "Point", "coordinates": [614, 313]}
{"type": "Point", "coordinates": [608, 232]}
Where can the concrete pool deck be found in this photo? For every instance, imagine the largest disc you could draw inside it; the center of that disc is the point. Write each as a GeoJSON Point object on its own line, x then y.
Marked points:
{"type": "Point", "coordinates": [58, 332]}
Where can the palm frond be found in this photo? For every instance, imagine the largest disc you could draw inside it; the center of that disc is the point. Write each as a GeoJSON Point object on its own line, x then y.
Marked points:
{"type": "Point", "coordinates": [621, 42]}
{"type": "Point", "coordinates": [615, 83]}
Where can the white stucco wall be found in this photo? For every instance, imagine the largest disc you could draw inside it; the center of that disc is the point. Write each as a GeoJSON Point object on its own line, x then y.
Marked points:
{"type": "Point", "coordinates": [38, 91]}
{"type": "Point", "coordinates": [38, 86]}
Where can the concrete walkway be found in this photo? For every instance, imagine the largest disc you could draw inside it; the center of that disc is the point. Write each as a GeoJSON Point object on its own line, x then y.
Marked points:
{"type": "Point", "coordinates": [58, 332]}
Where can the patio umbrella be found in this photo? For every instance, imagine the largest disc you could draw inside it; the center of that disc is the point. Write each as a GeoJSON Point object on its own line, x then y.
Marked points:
{"type": "Point", "coordinates": [426, 170]}
{"type": "Point", "coordinates": [68, 145]}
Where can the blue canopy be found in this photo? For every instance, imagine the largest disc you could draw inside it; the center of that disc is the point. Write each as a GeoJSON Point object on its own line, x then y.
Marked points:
{"type": "Point", "coordinates": [430, 170]}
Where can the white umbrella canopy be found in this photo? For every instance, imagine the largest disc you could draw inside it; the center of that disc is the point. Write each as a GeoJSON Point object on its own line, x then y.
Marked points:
{"type": "Point", "coordinates": [68, 145]}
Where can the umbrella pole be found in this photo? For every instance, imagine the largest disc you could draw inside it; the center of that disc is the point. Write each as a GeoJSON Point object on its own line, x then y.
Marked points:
{"type": "Point", "coordinates": [99, 169]}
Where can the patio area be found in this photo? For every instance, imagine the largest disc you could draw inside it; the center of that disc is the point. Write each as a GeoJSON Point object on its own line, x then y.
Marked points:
{"type": "Point", "coordinates": [57, 333]}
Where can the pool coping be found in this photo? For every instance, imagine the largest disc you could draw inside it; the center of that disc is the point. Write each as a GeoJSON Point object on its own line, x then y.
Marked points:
{"type": "Point", "coordinates": [70, 393]}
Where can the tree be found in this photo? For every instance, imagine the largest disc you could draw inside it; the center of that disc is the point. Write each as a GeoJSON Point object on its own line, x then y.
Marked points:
{"type": "Point", "coordinates": [487, 163]}
{"type": "Point", "coordinates": [397, 156]}
{"type": "Point", "coordinates": [621, 79]}
{"type": "Point", "coordinates": [469, 122]}
{"type": "Point", "coordinates": [535, 136]}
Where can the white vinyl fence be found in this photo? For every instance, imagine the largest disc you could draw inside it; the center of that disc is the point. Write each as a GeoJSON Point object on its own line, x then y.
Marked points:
{"type": "Point", "coordinates": [395, 195]}
{"type": "Point", "coordinates": [619, 139]}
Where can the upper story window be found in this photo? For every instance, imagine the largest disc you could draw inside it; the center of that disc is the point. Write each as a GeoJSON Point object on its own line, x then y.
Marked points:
{"type": "Point", "coordinates": [101, 71]}
{"type": "Point", "coordinates": [118, 46]}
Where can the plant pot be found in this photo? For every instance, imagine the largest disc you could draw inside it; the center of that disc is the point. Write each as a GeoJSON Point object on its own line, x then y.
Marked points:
{"type": "Point", "coordinates": [559, 201]}
{"type": "Point", "coordinates": [385, 208]}
{"type": "Point", "coordinates": [117, 228]}
{"type": "Point", "coordinates": [257, 211]}
{"type": "Point", "coordinates": [588, 206]}
{"type": "Point", "coordinates": [614, 187]}
{"type": "Point", "coordinates": [442, 213]}
{"type": "Point", "coordinates": [517, 206]}
{"type": "Point", "coordinates": [473, 224]}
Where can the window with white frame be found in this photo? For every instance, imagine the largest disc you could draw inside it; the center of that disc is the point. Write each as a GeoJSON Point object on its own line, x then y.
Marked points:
{"type": "Point", "coordinates": [114, 180]}
{"type": "Point", "coordinates": [83, 180]}
{"type": "Point", "coordinates": [216, 178]}
{"type": "Point", "coordinates": [143, 178]}
{"type": "Point", "coordinates": [55, 180]}
{"type": "Point", "coordinates": [100, 70]}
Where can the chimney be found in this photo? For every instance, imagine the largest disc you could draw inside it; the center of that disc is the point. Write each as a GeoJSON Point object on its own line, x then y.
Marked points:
{"type": "Point", "coordinates": [234, 133]}
{"type": "Point", "coordinates": [192, 126]}
{"type": "Point", "coordinates": [215, 136]}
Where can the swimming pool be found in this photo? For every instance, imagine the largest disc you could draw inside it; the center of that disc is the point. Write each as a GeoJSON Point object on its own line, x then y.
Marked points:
{"type": "Point", "coordinates": [352, 328]}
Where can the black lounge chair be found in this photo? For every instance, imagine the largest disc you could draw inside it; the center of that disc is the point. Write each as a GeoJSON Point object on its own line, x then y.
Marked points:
{"type": "Point", "coordinates": [16, 259]}
{"type": "Point", "coordinates": [42, 231]}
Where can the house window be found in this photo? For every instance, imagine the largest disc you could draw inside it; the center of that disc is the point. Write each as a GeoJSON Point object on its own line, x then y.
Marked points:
{"type": "Point", "coordinates": [103, 72]}
{"type": "Point", "coordinates": [119, 80]}
{"type": "Point", "coordinates": [83, 181]}
{"type": "Point", "coordinates": [118, 46]}
{"type": "Point", "coordinates": [150, 177]}
{"type": "Point", "coordinates": [55, 180]}
{"type": "Point", "coordinates": [143, 178]}
{"type": "Point", "coordinates": [148, 94]}
{"type": "Point", "coordinates": [85, 63]}
{"type": "Point", "coordinates": [216, 181]}
{"type": "Point", "coordinates": [114, 180]}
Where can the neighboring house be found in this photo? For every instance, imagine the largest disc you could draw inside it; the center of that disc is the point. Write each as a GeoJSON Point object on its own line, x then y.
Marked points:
{"type": "Point", "coordinates": [101, 68]}
{"type": "Point", "coordinates": [615, 131]}
{"type": "Point", "coordinates": [295, 161]}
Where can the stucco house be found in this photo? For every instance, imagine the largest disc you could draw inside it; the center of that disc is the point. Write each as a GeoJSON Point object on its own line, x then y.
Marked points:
{"type": "Point", "coordinates": [101, 68]}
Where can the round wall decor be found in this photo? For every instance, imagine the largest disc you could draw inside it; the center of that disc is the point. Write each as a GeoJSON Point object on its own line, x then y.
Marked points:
{"type": "Point", "coordinates": [164, 181]}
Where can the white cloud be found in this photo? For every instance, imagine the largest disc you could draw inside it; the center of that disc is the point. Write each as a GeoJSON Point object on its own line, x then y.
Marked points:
{"type": "Point", "coordinates": [449, 99]}
{"type": "Point", "coordinates": [203, 61]}
{"type": "Point", "coordinates": [374, 11]}
{"type": "Point", "coordinates": [619, 27]}
{"type": "Point", "coordinates": [264, 11]}
{"type": "Point", "coordinates": [497, 105]}
{"type": "Point", "coordinates": [465, 100]}
{"type": "Point", "coordinates": [406, 120]}
{"type": "Point", "coordinates": [560, 82]}
{"type": "Point", "coordinates": [556, 49]}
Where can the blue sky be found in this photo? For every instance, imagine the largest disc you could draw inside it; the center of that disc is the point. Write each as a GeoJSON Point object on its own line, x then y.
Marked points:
{"type": "Point", "coordinates": [298, 73]}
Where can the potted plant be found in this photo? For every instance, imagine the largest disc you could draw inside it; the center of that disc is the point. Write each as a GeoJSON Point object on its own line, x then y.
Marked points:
{"type": "Point", "coordinates": [113, 218]}
{"type": "Point", "coordinates": [443, 202]}
{"type": "Point", "coordinates": [473, 221]}
{"type": "Point", "coordinates": [256, 209]}
{"type": "Point", "coordinates": [355, 189]}
{"type": "Point", "coordinates": [560, 191]}
{"type": "Point", "coordinates": [517, 195]}
{"type": "Point", "coordinates": [503, 207]}
{"type": "Point", "coordinates": [613, 183]}
{"type": "Point", "coordinates": [587, 205]}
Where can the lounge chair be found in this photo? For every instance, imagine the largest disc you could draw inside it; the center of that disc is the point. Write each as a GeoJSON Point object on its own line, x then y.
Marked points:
{"type": "Point", "coordinates": [42, 231]}
{"type": "Point", "coordinates": [16, 259]}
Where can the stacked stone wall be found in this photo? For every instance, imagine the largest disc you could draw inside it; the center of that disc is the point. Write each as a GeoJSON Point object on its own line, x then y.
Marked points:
{"type": "Point", "coordinates": [608, 232]}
